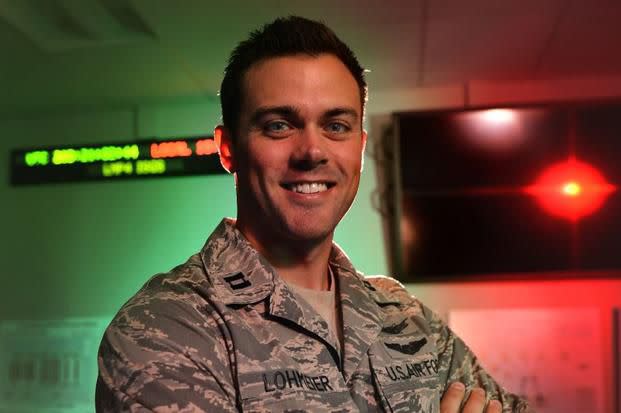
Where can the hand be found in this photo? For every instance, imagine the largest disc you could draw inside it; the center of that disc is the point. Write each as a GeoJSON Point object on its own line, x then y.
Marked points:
{"type": "Point", "coordinates": [454, 396]}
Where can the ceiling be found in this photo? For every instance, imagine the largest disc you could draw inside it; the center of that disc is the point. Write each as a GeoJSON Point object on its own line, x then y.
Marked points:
{"type": "Point", "coordinates": [105, 52]}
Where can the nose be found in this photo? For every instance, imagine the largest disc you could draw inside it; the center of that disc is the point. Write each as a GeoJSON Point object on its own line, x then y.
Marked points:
{"type": "Point", "coordinates": [310, 151]}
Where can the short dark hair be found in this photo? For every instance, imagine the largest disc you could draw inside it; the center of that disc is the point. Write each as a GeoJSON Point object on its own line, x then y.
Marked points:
{"type": "Point", "coordinates": [283, 37]}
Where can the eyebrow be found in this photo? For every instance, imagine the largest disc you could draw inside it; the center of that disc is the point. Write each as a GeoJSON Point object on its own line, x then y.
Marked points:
{"type": "Point", "coordinates": [341, 112]}
{"type": "Point", "coordinates": [291, 112]}
{"type": "Point", "coordinates": [284, 111]}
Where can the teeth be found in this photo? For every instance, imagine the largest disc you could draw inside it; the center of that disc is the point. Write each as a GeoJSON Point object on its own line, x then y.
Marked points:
{"type": "Point", "coordinates": [309, 188]}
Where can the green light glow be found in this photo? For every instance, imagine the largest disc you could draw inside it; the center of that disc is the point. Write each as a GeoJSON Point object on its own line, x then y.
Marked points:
{"type": "Point", "coordinates": [143, 167]}
{"type": "Point", "coordinates": [117, 169]}
{"type": "Point", "coordinates": [37, 158]}
{"type": "Point", "coordinates": [49, 365]}
{"type": "Point", "coordinates": [91, 155]}
{"type": "Point", "coordinates": [150, 167]}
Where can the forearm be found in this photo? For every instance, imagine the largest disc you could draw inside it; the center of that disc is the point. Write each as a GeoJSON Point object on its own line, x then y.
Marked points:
{"type": "Point", "coordinates": [458, 363]}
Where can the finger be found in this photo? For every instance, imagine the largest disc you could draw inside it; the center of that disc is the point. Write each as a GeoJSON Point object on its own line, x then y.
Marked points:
{"type": "Point", "coordinates": [476, 401]}
{"type": "Point", "coordinates": [452, 398]}
{"type": "Point", "coordinates": [494, 406]}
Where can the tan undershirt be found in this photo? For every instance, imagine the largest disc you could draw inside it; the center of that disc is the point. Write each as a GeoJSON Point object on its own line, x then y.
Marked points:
{"type": "Point", "coordinates": [324, 302]}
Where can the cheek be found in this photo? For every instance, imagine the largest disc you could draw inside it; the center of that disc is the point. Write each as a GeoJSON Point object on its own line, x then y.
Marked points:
{"type": "Point", "coordinates": [354, 165]}
{"type": "Point", "coordinates": [266, 162]}
{"type": "Point", "coordinates": [353, 162]}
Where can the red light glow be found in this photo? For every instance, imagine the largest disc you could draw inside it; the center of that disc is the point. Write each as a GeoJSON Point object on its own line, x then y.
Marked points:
{"type": "Point", "coordinates": [571, 189]}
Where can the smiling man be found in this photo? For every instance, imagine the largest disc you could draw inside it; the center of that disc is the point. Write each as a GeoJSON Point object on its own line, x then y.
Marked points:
{"type": "Point", "coordinates": [271, 315]}
{"type": "Point", "coordinates": [297, 156]}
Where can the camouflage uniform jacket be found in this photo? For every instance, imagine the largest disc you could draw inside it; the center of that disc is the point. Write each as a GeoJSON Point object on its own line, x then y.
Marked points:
{"type": "Point", "coordinates": [223, 333]}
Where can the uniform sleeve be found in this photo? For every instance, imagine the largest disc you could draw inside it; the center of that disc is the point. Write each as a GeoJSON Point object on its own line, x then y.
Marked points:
{"type": "Point", "coordinates": [458, 363]}
{"type": "Point", "coordinates": [163, 362]}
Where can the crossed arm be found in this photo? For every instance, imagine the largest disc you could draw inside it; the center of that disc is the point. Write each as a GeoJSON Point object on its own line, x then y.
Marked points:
{"type": "Point", "coordinates": [455, 397]}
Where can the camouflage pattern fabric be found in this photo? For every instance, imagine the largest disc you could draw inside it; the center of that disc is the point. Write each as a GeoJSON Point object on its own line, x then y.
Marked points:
{"type": "Point", "coordinates": [223, 333]}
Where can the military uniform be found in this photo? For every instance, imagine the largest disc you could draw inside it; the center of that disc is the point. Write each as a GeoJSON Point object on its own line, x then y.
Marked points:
{"type": "Point", "coordinates": [224, 333]}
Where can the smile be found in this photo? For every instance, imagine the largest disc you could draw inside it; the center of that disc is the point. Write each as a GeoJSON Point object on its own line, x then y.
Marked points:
{"type": "Point", "coordinates": [308, 187]}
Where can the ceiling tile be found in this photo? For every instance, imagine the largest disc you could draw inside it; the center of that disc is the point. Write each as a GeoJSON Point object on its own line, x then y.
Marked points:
{"type": "Point", "coordinates": [486, 39]}
{"type": "Point", "coordinates": [587, 41]}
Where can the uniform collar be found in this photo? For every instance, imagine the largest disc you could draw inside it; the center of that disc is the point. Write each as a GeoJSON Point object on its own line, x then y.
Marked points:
{"type": "Point", "coordinates": [240, 275]}
{"type": "Point", "coordinates": [353, 282]}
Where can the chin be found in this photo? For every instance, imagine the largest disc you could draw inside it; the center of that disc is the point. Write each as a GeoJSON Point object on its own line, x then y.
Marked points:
{"type": "Point", "coordinates": [307, 232]}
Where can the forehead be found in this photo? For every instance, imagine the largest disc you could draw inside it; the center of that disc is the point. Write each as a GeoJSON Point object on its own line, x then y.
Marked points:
{"type": "Point", "coordinates": [309, 83]}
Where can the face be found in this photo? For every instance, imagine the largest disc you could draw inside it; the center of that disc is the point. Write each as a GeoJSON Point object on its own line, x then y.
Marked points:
{"type": "Point", "coordinates": [298, 153]}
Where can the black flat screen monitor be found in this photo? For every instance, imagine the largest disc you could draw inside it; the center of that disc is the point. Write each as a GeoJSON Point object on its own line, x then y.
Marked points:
{"type": "Point", "coordinates": [509, 192]}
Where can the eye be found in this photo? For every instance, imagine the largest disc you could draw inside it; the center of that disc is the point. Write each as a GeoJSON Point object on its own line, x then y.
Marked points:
{"type": "Point", "coordinates": [276, 126]}
{"type": "Point", "coordinates": [337, 127]}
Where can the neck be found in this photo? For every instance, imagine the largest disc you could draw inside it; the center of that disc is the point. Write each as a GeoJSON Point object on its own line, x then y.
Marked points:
{"type": "Point", "coordinates": [302, 263]}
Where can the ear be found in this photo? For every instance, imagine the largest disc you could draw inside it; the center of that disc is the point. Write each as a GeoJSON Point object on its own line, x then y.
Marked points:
{"type": "Point", "coordinates": [222, 137]}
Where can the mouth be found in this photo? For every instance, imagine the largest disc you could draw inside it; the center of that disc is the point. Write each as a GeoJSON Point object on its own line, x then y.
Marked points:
{"type": "Point", "coordinates": [308, 187]}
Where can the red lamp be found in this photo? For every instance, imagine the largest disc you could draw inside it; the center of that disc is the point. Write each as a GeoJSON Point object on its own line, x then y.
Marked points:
{"type": "Point", "coordinates": [571, 189]}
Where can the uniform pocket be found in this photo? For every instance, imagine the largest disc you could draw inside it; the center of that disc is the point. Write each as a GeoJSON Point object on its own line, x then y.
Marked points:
{"type": "Point", "coordinates": [407, 383]}
{"type": "Point", "coordinates": [298, 401]}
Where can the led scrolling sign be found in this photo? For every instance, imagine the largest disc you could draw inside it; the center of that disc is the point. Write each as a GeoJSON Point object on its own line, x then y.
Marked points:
{"type": "Point", "coordinates": [143, 159]}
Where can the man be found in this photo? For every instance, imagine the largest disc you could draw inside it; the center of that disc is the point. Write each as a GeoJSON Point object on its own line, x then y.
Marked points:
{"type": "Point", "coordinates": [271, 315]}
